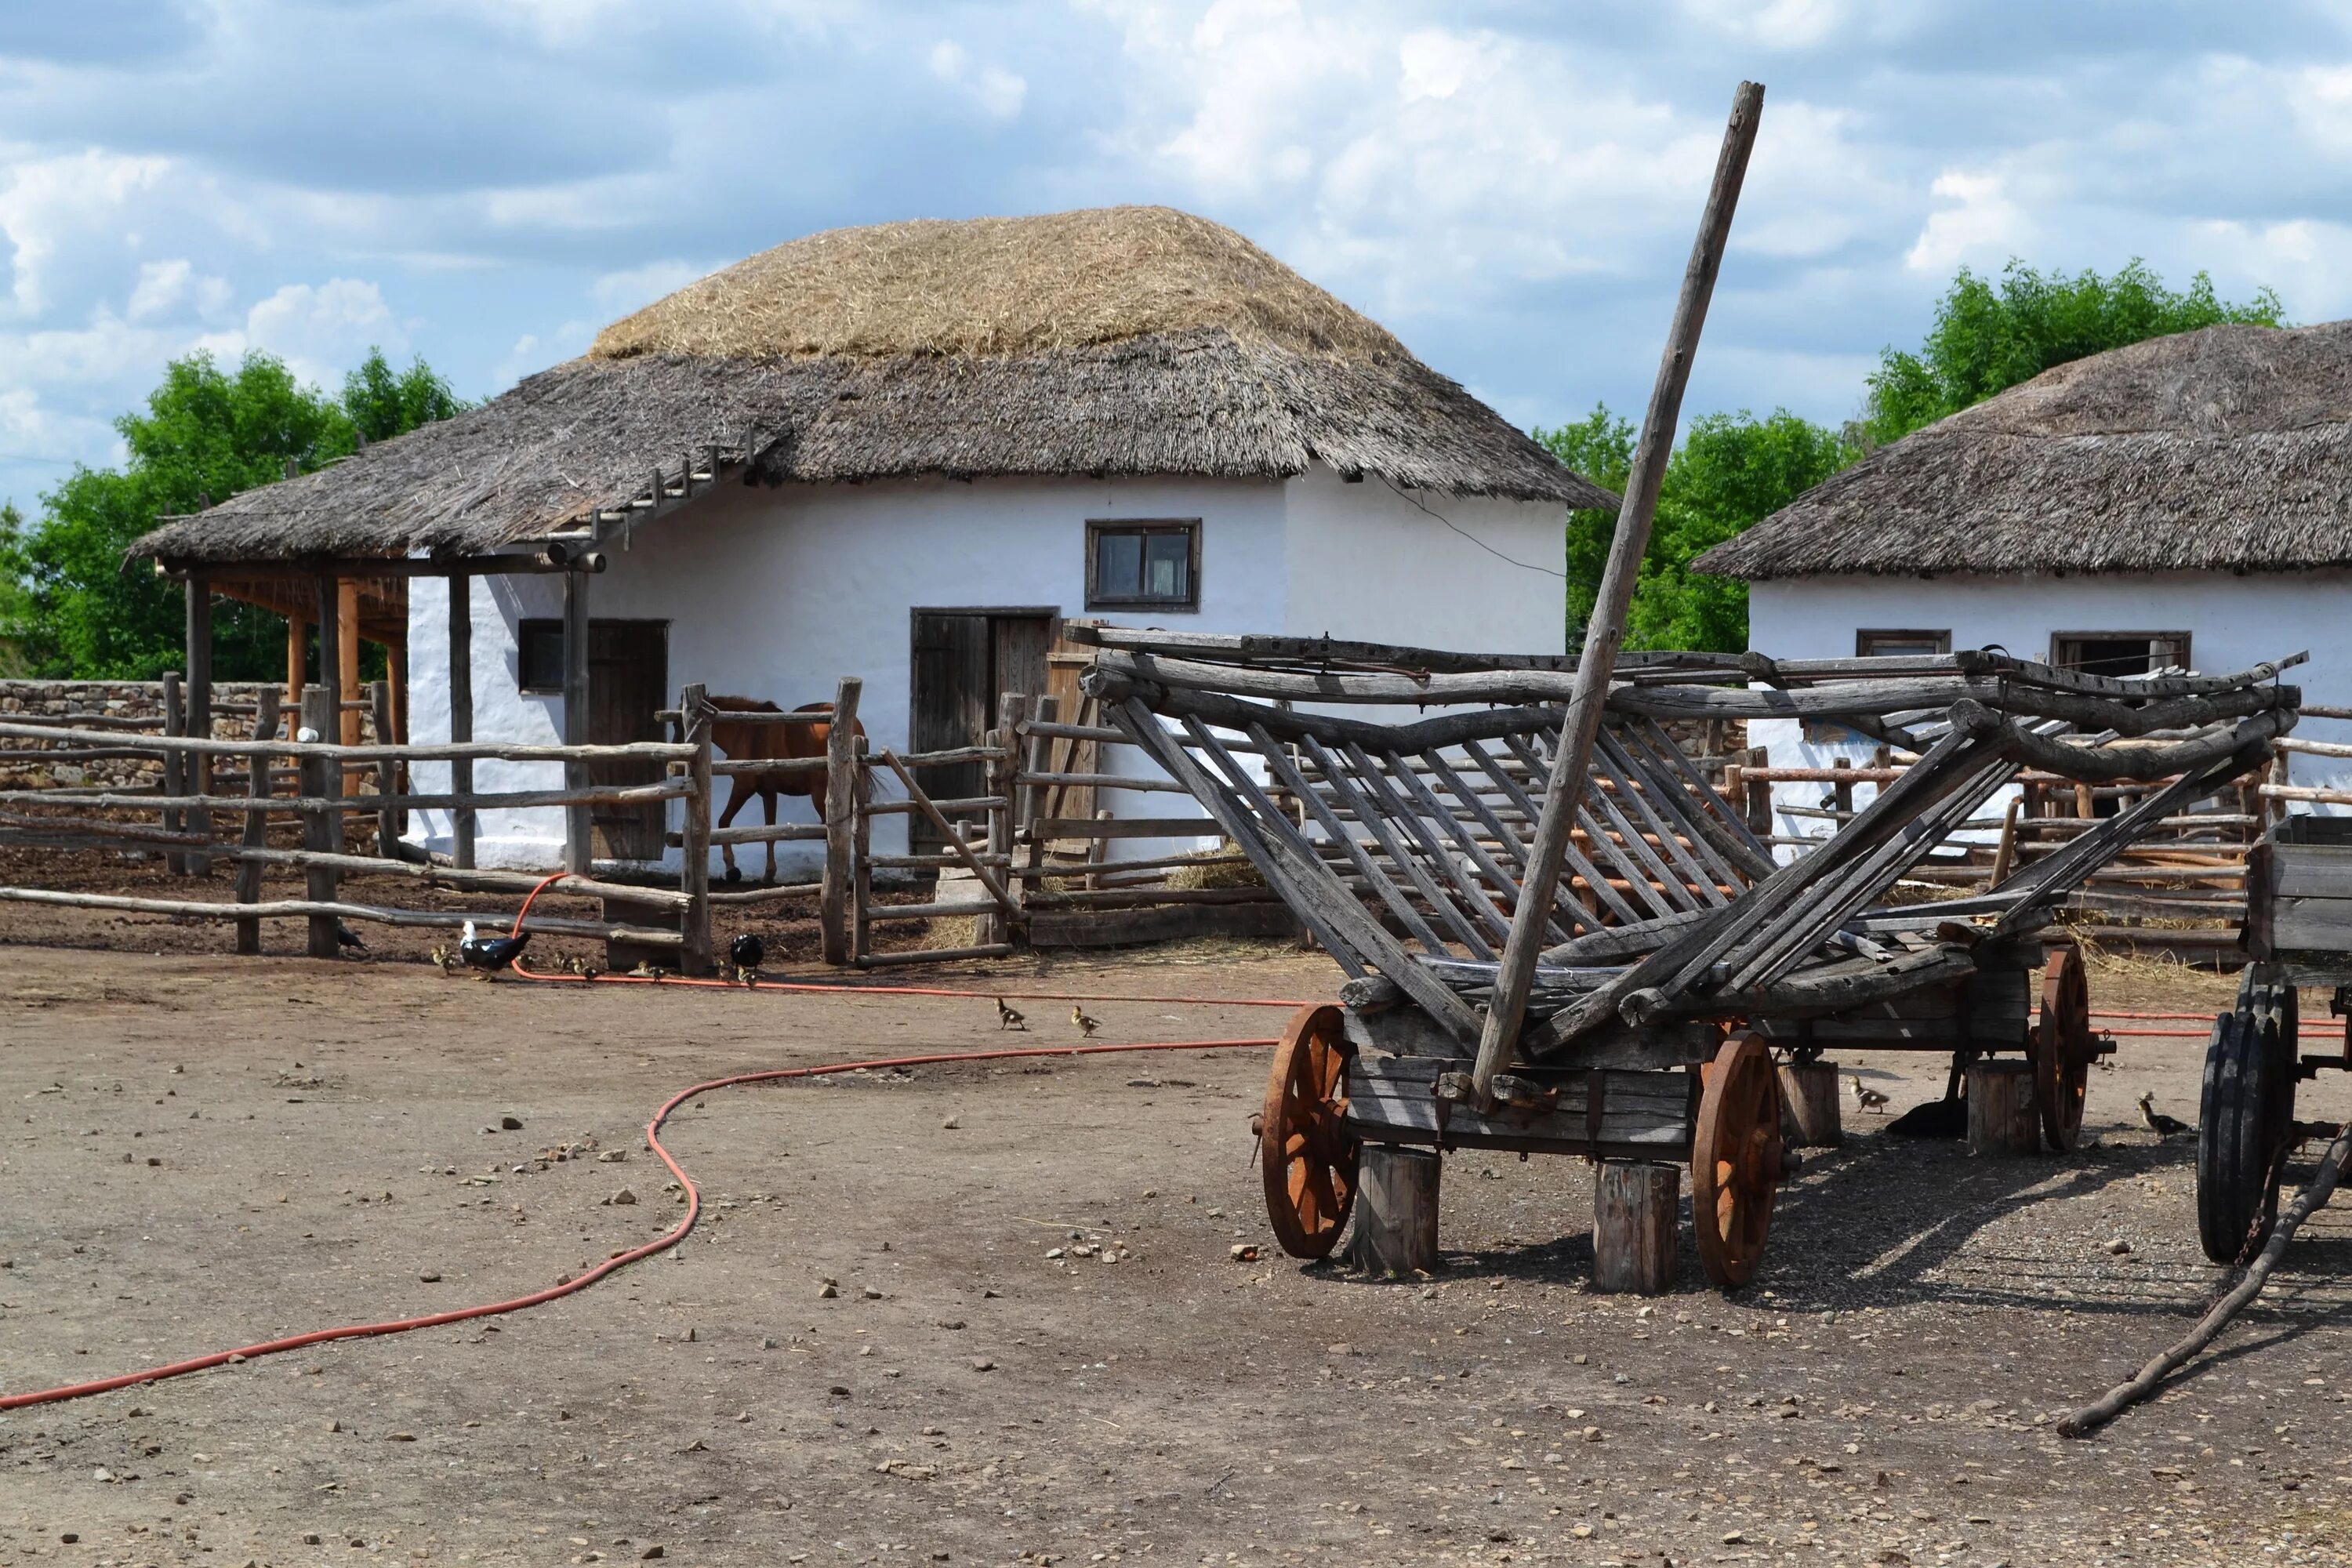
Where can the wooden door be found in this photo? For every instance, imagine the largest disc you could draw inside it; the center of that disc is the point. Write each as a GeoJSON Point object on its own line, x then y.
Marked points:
{"type": "Point", "coordinates": [629, 683]}
{"type": "Point", "coordinates": [964, 659]}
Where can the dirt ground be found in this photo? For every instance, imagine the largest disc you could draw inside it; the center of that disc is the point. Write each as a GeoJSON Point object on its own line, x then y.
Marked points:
{"type": "Point", "coordinates": [870, 1353]}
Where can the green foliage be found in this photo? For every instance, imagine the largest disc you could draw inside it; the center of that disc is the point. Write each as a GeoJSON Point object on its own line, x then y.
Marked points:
{"type": "Point", "coordinates": [1732, 470]}
{"type": "Point", "coordinates": [15, 603]}
{"type": "Point", "coordinates": [206, 435]}
{"type": "Point", "coordinates": [1987, 338]}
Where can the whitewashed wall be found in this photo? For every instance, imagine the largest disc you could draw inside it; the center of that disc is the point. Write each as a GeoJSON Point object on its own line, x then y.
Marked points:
{"type": "Point", "coordinates": [2234, 623]}
{"type": "Point", "coordinates": [776, 593]}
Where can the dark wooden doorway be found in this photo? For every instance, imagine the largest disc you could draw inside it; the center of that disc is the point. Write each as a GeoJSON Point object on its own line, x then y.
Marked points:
{"type": "Point", "coordinates": [964, 659]}
{"type": "Point", "coordinates": [629, 683]}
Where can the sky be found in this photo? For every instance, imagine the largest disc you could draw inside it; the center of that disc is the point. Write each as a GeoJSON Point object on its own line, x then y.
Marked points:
{"type": "Point", "coordinates": [1510, 186]}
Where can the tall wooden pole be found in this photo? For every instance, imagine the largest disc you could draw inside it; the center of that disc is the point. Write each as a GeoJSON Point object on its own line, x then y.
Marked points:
{"type": "Point", "coordinates": [1573, 755]}
{"type": "Point", "coordinates": [327, 721]}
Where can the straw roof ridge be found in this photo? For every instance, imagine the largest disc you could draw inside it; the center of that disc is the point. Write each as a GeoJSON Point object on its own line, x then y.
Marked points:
{"type": "Point", "coordinates": [997, 286]}
{"type": "Point", "coordinates": [2226, 448]}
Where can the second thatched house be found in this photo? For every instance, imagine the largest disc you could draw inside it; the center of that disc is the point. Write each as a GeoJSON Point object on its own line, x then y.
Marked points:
{"type": "Point", "coordinates": [904, 453]}
{"type": "Point", "coordinates": [2187, 501]}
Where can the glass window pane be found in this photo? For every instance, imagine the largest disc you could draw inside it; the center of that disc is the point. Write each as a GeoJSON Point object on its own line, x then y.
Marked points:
{"type": "Point", "coordinates": [1119, 565]}
{"type": "Point", "coordinates": [1168, 561]}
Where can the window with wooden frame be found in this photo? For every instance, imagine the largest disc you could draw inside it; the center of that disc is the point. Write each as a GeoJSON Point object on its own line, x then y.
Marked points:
{"type": "Point", "coordinates": [1146, 564]}
{"type": "Point", "coordinates": [1884, 643]}
{"type": "Point", "coordinates": [2119, 654]}
{"type": "Point", "coordinates": [538, 657]}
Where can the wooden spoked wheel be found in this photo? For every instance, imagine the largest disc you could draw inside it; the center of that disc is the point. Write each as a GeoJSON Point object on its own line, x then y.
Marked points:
{"type": "Point", "coordinates": [1736, 1158]}
{"type": "Point", "coordinates": [2064, 1048]}
{"type": "Point", "coordinates": [1305, 1153]}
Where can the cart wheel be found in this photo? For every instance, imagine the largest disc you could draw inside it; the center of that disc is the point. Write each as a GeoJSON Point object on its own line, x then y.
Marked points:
{"type": "Point", "coordinates": [1305, 1152]}
{"type": "Point", "coordinates": [1736, 1158]}
{"type": "Point", "coordinates": [2062, 1048]}
{"type": "Point", "coordinates": [2244, 1115]}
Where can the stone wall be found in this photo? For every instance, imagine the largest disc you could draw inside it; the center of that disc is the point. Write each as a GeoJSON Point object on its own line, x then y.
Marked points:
{"type": "Point", "coordinates": [234, 705]}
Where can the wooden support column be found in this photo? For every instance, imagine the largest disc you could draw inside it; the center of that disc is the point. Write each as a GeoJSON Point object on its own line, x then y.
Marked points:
{"type": "Point", "coordinates": [395, 671]}
{"type": "Point", "coordinates": [2003, 1120]}
{"type": "Point", "coordinates": [841, 768]}
{"type": "Point", "coordinates": [330, 658]}
{"type": "Point", "coordinates": [389, 820]}
{"type": "Point", "coordinates": [461, 714]}
{"type": "Point", "coordinates": [1011, 709]}
{"type": "Point", "coordinates": [1810, 1105]}
{"type": "Point", "coordinates": [578, 850]}
{"type": "Point", "coordinates": [1396, 1210]}
{"type": "Point", "coordinates": [694, 857]}
{"type": "Point", "coordinates": [321, 829]}
{"type": "Point", "coordinates": [1636, 1212]}
{"type": "Point", "coordinates": [196, 772]}
{"type": "Point", "coordinates": [347, 660]}
{"type": "Point", "coordinates": [176, 767]}
{"type": "Point", "coordinates": [298, 663]}
{"type": "Point", "coordinates": [1572, 756]}
{"type": "Point", "coordinates": [256, 823]}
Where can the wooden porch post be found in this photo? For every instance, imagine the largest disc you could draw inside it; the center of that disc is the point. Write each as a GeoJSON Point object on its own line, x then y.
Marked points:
{"type": "Point", "coordinates": [461, 714]}
{"type": "Point", "coordinates": [346, 652]}
{"type": "Point", "coordinates": [577, 849]}
{"type": "Point", "coordinates": [298, 663]}
{"type": "Point", "coordinates": [322, 716]}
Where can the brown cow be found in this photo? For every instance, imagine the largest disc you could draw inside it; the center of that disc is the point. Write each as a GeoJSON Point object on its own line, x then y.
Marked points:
{"type": "Point", "coordinates": [746, 742]}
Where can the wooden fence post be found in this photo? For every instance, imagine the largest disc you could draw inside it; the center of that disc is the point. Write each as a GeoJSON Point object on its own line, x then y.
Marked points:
{"type": "Point", "coordinates": [694, 856]}
{"type": "Point", "coordinates": [388, 823]}
{"type": "Point", "coordinates": [175, 718]}
{"type": "Point", "coordinates": [861, 859]}
{"type": "Point", "coordinates": [1011, 709]}
{"type": "Point", "coordinates": [196, 772]}
{"type": "Point", "coordinates": [1759, 794]}
{"type": "Point", "coordinates": [841, 818]}
{"type": "Point", "coordinates": [321, 825]}
{"type": "Point", "coordinates": [257, 823]}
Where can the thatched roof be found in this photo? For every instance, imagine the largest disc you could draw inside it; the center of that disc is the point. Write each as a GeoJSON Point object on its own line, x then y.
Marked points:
{"type": "Point", "coordinates": [2229, 448]}
{"type": "Point", "coordinates": [1126, 341]}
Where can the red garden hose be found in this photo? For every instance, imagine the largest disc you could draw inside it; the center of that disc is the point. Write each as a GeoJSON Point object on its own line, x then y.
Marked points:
{"type": "Point", "coordinates": [652, 1140]}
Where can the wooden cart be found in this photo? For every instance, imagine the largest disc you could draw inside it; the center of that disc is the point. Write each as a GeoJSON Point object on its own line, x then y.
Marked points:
{"type": "Point", "coordinates": [2298, 933]}
{"type": "Point", "coordinates": [1678, 956]}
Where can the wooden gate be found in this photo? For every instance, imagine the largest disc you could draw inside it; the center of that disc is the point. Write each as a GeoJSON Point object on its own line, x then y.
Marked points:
{"type": "Point", "coordinates": [628, 685]}
{"type": "Point", "coordinates": [964, 660]}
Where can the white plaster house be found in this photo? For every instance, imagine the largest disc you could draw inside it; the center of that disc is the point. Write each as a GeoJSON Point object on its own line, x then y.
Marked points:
{"type": "Point", "coordinates": [957, 431]}
{"type": "Point", "coordinates": [2183, 501]}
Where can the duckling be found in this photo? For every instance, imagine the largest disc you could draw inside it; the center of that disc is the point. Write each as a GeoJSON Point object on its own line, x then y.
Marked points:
{"type": "Point", "coordinates": [1866, 1097]}
{"type": "Point", "coordinates": [746, 976]}
{"type": "Point", "coordinates": [1009, 1017]}
{"type": "Point", "coordinates": [648, 971]}
{"type": "Point", "coordinates": [1087, 1026]}
{"type": "Point", "coordinates": [2161, 1124]}
{"type": "Point", "coordinates": [443, 958]}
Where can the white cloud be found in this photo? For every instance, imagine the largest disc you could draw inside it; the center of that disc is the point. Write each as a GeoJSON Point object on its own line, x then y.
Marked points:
{"type": "Point", "coordinates": [50, 204]}
{"type": "Point", "coordinates": [619, 293]}
{"type": "Point", "coordinates": [161, 285]}
{"type": "Point", "coordinates": [1983, 221]}
{"type": "Point", "coordinates": [1775, 25]}
{"type": "Point", "coordinates": [319, 331]}
{"type": "Point", "coordinates": [998, 92]}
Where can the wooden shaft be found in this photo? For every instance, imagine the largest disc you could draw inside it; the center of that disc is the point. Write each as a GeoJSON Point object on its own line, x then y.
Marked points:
{"type": "Point", "coordinates": [1602, 634]}
{"type": "Point", "coordinates": [840, 821]}
{"type": "Point", "coordinates": [462, 821]}
{"type": "Point", "coordinates": [297, 661]}
{"type": "Point", "coordinates": [2306, 1203]}
{"type": "Point", "coordinates": [326, 912]}
{"type": "Point", "coordinates": [354, 756]}
{"type": "Point", "coordinates": [578, 851]}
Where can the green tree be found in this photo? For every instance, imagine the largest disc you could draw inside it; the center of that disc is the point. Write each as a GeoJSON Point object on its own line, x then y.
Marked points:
{"type": "Point", "coordinates": [1731, 471]}
{"type": "Point", "coordinates": [1988, 337]}
{"type": "Point", "coordinates": [15, 603]}
{"type": "Point", "coordinates": [205, 434]}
